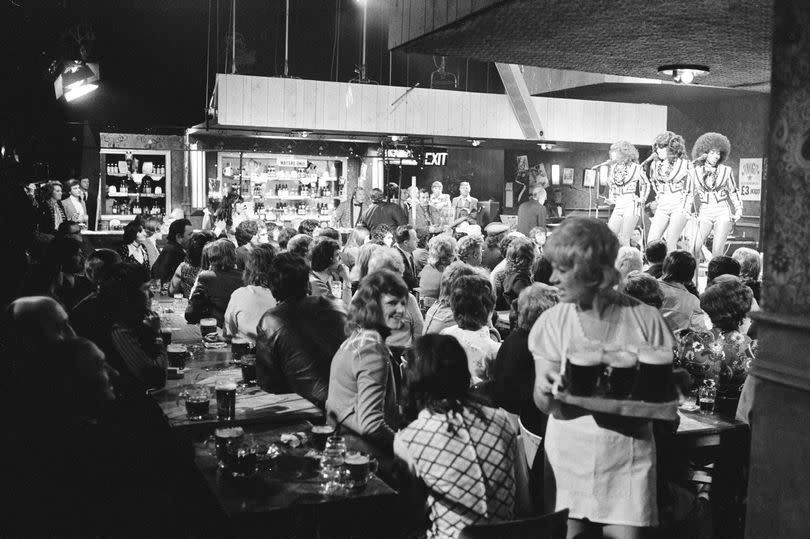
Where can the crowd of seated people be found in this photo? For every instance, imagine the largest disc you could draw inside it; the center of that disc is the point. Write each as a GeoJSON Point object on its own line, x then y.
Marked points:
{"type": "Point", "coordinates": [388, 347]}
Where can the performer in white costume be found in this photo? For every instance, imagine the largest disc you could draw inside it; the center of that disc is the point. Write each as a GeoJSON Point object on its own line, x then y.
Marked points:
{"type": "Point", "coordinates": [628, 187]}
{"type": "Point", "coordinates": [670, 173]}
{"type": "Point", "coordinates": [716, 195]}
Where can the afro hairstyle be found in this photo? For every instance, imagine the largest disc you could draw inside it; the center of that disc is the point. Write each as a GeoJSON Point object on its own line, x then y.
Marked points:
{"type": "Point", "coordinates": [674, 144]}
{"type": "Point", "coordinates": [627, 152]}
{"type": "Point", "coordinates": [711, 141]}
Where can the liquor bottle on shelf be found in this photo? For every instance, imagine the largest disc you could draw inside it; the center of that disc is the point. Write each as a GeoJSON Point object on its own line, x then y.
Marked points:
{"type": "Point", "coordinates": [146, 185]}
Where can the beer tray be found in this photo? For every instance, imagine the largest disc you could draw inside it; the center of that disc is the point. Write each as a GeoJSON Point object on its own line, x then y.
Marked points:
{"type": "Point", "coordinates": [667, 411]}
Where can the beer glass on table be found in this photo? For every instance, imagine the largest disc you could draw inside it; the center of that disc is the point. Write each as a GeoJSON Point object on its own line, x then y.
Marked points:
{"type": "Point", "coordinates": [198, 402]}
{"type": "Point", "coordinates": [332, 460]}
{"type": "Point", "coordinates": [226, 400]}
{"type": "Point", "coordinates": [360, 468]}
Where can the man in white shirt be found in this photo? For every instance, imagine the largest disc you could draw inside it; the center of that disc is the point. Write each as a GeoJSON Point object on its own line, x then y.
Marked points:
{"type": "Point", "coordinates": [75, 207]}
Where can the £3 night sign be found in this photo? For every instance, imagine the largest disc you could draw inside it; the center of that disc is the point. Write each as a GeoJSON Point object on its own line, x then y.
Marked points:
{"type": "Point", "coordinates": [438, 159]}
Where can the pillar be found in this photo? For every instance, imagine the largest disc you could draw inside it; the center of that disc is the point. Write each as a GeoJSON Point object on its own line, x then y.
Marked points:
{"type": "Point", "coordinates": [779, 482]}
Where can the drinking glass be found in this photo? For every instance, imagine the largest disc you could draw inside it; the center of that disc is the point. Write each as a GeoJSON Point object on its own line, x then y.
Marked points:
{"type": "Point", "coordinates": [360, 468]}
{"type": "Point", "coordinates": [332, 459]}
{"type": "Point", "coordinates": [198, 402]}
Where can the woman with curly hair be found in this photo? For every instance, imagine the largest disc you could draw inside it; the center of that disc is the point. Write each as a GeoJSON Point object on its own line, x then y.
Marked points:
{"type": "Point", "coordinates": [615, 492]}
{"type": "Point", "coordinates": [133, 248]}
{"type": "Point", "coordinates": [362, 394]}
{"type": "Point", "coordinates": [715, 191]}
{"type": "Point", "coordinates": [669, 177]}
{"type": "Point", "coordinates": [628, 187]}
{"type": "Point", "coordinates": [519, 262]}
{"type": "Point", "coordinates": [441, 252]}
{"type": "Point", "coordinates": [470, 250]}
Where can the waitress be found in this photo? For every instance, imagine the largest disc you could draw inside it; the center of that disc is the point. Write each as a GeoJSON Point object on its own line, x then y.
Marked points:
{"type": "Point", "coordinates": [602, 468]}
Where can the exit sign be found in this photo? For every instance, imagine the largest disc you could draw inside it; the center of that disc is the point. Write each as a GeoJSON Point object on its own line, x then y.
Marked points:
{"type": "Point", "coordinates": [438, 159]}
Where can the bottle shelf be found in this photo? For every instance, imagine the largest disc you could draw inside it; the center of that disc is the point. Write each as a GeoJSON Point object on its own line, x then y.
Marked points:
{"type": "Point", "coordinates": [125, 174]}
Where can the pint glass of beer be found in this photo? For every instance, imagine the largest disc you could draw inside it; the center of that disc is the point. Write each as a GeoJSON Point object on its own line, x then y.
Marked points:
{"type": "Point", "coordinates": [208, 325]}
{"type": "Point", "coordinates": [583, 369]}
{"type": "Point", "coordinates": [226, 400]}
{"type": "Point", "coordinates": [623, 368]}
{"type": "Point", "coordinates": [360, 468]}
{"type": "Point", "coordinates": [654, 382]}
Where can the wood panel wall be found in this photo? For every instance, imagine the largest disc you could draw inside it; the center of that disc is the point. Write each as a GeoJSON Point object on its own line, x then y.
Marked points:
{"type": "Point", "coordinates": [297, 104]}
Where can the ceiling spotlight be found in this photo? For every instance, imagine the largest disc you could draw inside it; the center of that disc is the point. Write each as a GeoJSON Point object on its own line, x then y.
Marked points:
{"type": "Point", "coordinates": [475, 142]}
{"type": "Point", "coordinates": [546, 145]}
{"type": "Point", "coordinates": [683, 73]}
{"type": "Point", "coordinates": [304, 134]}
{"type": "Point", "coordinates": [76, 80]}
{"type": "Point", "coordinates": [395, 138]}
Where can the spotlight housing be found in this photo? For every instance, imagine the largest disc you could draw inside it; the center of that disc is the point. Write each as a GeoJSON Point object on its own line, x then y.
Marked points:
{"type": "Point", "coordinates": [683, 73]}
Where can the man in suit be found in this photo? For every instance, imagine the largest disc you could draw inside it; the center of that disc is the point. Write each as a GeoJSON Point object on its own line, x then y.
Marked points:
{"type": "Point", "coordinates": [406, 243]}
{"type": "Point", "coordinates": [463, 204]}
{"type": "Point", "coordinates": [75, 207]}
{"type": "Point", "coordinates": [349, 212]}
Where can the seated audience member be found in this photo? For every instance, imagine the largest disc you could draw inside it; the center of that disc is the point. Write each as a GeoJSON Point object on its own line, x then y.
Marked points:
{"type": "Point", "coordinates": [420, 254]}
{"type": "Point", "coordinates": [645, 288]}
{"type": "Point", "coordinates": [186, 273]}
{"type": "Point", "coordinates": [472, 302]}
{"type": "Point", "coordinates": [412, 321]}
{"type": "Point", "coordinates": [308, 226]}
{"type": "Point", "coordinates": [721, 265]}
{"type": "Point", "coordinates": [655, 253]}
{"type": "Point", "coordinates": [133, 248]}
{"type": "Point", "coordinates": [513, 369]}
{"type": "Point", "coordinates": [249, 303]}
{"type": "Point", "coordinates": [542, 270]}
{"type": "Point", "coordinates": [538, 236]}
{"type": "Point", "coordinates": [112, 474]}
{"type": "Point", "coordinates": [174, 252]}
{"type": "Point", "coordinates": [300, 245]}
{"type": "Point", "coordinates": [360, 269]}
{"type": "Point", "coordinates": [628, 259]}
{"type": "Point", "coordinates": [151, 228]}
{"type": "Point", "coordinates": [440, 315]}
{"type": "Point", "coordinates": [637, 239]}
{"type": "Point", "coordinates": [327, 271]}
{"type": "Point", "coordinates": [728, 303]}
{"type": "Point", "coordinates": [470, 250]}
{"type": "Point", "coordinates": [59, 275]}
{"type": "Point", "coordinates": [492, 254]}
{"type": "Point", "coordinates": [406, 242]}
{"type": "Point", "coordinates": [461, 456]}
{"type": "Point", "coordinates": [72, 229]}
{"type": "Point", "coordinates": [498, 273]}
{"type": "Point", "coordinates": [249, 234]}
{"type": "Point", "coordinates": [215, 283]}
{"type": "Point", "coordinates": [362, 390]}
{"type": "Point", "coordinates": [297, 338]}
{"type": "Point", "coordinates": [750, 267]}
{"type": "Point", "coordinates": [519, 261]}
{"type": "Point", "coordinates": [356, 240]}
{"type": "Point", "coordinates": [284, 237]}
{"type": "Point", "coordinates": [441, 253]}
{"type": "Point", "coordinates": [84, 317]}
{"type": "Point", "coordinates": [133, 346]}
{"type": "Point", "coordinates": [681, 305]}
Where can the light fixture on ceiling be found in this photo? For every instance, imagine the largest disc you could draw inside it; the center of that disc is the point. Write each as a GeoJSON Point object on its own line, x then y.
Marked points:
{"type": "Point", "coordinates": [683, 73]}
{"type": "Point", "coordinates": [395, 138]}
{"type": "Point", "coordinates": [546, 145]}
{"type": "Point", "coordinates": [76, 80]}
{"type": "Point", "coordinates": [475, 142]}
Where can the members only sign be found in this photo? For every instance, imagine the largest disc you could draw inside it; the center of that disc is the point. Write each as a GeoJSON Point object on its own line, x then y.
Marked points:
{"type": "Point", "coordinates": [751, 179]}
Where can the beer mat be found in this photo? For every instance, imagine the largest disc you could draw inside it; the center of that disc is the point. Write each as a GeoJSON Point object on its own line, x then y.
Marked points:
{"type": "Point", "coordinates": [667, 411]}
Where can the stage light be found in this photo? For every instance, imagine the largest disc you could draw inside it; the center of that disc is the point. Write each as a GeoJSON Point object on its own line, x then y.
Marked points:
{"type": "Point", "coordinates": [683, 73]}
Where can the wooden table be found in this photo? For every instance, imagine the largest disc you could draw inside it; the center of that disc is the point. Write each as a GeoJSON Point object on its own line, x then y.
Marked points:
{"type": "Point", "coordinates": [700, 430]}
{"type": "Point", "coordinates": [284, 499]}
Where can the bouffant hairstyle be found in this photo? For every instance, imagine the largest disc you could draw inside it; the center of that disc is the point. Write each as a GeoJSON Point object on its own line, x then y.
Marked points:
{"type": "Point", "coordinates": [656, 251]}
{"type": "Point", "coordinates": [711, 141]}
{"type": "Point", "coordinates": [285, 235]}
{"type": "Point", "coordinates": [441, 251]}
{"type": "Point", "coordinates": [366, 311]}
{"type": "Point", "coordinates": [626, 152]}
{"type": "Point", "coordinates": [364, 256]}
{"type": "Point", "coordinates": [258, 265]}
{"type": "Point", "coordinates": [675, 145]}
{"type": "Point", "coordinates": [196, 244]}
{"type": "Point", "coordinates": [520, 256]}
{"type": "Point", "coordinates": [300, 244]}
{"type": "Point", "coordinates": [449, 275]}
{"type": "Point", "coordinates": [533, 301]}
{"type": "Point", "coordinates": [644, 287]}
{"type": "Point", "coordinates": [727, 303]}
{"type": "Point", "coordinates": [472, 300]}
{"type": "Point", "coordinates": [589, 248]}
{"type": "Point", "coordinates": [220, 255]}
{"type": "Point", "coordinates": [507, 240]}
{"type": "Point", "coordinates": [48, 189]}
{"type": "Point", "coordinates": [245, 231]}
{"type": "Point", "coordinates": [678, 267]}
{"type": "Point", "coordinates": [289, 277]}
{"type": "Point", "coordinates": [386, 258]}
{"type": "Point", "coordinates": [308, 226]}
{"type": "Point", "coordinates": [470, 250]}
{"type": "Point", "coordinates": [323, 253]}
{"type": "Point", "coordinates": [329, 232]}
{"type": "Point", "coordinates": [750, 264]}
{"type": "Point", "coordinates": [379, 232]}
{"type": "Point", "coordinates": [131, 231]}
{"type": "Point", "coordinates": [721, 265]}
{"type": "Point", "coordinates": [438, 378]}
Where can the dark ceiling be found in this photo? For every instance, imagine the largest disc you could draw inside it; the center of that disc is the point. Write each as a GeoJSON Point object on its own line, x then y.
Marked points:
{"type": "Point", "coordinates": [618, 37]}
{"type": "Point", "coordinates": [657, 94]}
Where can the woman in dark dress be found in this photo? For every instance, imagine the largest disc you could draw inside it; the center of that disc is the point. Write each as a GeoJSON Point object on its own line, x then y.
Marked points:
{"type": "Point", "coordinates": [132, 249]}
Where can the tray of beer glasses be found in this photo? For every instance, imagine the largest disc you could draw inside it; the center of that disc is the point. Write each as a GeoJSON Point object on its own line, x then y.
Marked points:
{"type": "Point", "coordinates": [630, 382]}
